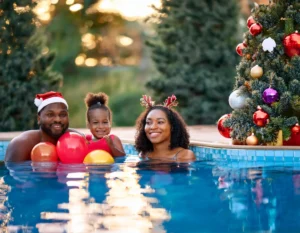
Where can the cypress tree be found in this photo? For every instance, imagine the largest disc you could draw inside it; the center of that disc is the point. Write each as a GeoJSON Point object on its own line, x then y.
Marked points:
{"type": "Point", "coordinates": [24, 66]}
{"type": "Point", "coordinates": [194, 53]}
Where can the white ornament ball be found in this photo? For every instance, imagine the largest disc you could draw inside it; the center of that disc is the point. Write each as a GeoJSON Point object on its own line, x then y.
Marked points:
{"type": "Point", "coordinates": [269, 44]}
{"type": "Point", "coordinates": [237, 100]}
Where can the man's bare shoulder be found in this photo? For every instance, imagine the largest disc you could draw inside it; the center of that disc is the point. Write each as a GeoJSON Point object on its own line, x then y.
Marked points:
{"type": "Point", "coordinates": [27, 136]}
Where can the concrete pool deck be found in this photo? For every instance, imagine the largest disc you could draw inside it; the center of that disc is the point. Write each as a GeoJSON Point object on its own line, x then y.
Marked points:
{"type": "Point", "coordinates": [198, 133]}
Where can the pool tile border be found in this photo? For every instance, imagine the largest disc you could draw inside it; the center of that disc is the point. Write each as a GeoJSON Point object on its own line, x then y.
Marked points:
{"type": "Point", "coordinates": [258, 154]}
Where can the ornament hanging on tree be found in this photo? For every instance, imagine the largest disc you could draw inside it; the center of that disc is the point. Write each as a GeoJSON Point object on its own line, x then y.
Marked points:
{"type": "Point", "coordinates": [260, 118]}
{"type": "Point", "coordinates": [291, 44]}
{"type": "Point", "coordinates": [295, 136]}
{"type": "Point", "coordinates": [256, 71]}
{"type": "Point", "coordinates": [240, 47]}
{"type": "Point", "coordinates": [270, 96]}
{"type": "Point", "coordinates": [269, 44]}
{"type": "Point", "coordinates": [250, 21]}
{"type": "Point", "coordinates": [237, 100]}
{"type": "Point", "coordinates": [255, 29]}
{"type": "Point", "coordinates": [252, 140]}
{"type": "Point", "coordinates": [254, 56]}
{"type": "Point", "coordinates": [224, 131]}
{"type": "Point", "coordinates": [295, 129]}
{"type": "Point", "coordinates": [247, 85]}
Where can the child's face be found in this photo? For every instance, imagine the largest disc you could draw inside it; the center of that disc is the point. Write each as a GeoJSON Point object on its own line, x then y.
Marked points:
{"type": "Point", "coordinates": [99, 123]}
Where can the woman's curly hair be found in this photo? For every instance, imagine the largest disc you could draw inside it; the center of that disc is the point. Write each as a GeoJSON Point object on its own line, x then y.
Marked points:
{"type": "Point", "coordinates": [97, 101]}
{"type": "Point", "coordinates": [179, 134]}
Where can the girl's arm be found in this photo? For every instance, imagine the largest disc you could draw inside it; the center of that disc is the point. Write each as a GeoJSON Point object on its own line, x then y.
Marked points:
{"type": "Point", "coordinates": [115, 145]}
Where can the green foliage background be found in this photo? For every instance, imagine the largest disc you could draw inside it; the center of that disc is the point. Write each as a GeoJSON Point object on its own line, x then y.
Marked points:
{"type": "Point", "coordinates": [124, 85]}
{"type": "Point", "coordinates": [24, 69]}
{"type": "Point", "coordinates": [194, 53]}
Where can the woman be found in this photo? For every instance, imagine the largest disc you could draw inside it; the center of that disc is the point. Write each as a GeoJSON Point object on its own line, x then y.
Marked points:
{"type": "Point", "coordinates": [161, 132]}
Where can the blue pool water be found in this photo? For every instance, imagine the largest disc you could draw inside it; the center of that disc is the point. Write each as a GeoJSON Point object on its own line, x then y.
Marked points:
{"type": "Point", "coordinates": [205, 196]}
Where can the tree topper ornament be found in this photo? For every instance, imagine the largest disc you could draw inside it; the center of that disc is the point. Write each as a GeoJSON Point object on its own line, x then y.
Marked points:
{"type": "Point", "coordinates": [269, 44]}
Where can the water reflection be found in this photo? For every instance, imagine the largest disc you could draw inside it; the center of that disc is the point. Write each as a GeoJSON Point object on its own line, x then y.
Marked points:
{"type": "Point", "coordinates": [149, 197]}
{"type": "Point", "coordinates": [125, 208]}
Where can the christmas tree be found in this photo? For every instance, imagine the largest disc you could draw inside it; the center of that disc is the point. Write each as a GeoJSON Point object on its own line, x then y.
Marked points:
{"type": "Point", "coordinates": [24, 65]}
{"type": "Point", "coordinates": [192, 51]}
{"type": "Point", "coordinates": [266, 99]}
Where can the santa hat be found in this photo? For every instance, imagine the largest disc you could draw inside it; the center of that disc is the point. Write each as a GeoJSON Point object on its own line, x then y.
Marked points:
{"type": "Point", "coordinates": [42, 100]}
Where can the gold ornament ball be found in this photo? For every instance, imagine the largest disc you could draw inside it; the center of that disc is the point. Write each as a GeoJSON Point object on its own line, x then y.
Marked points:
{"type": "Point", "coordinates": [256, 72]}
{"type": "Point", "coordinates": [248, 56]}
{"type": "Point", "coordinates": [252, 140]}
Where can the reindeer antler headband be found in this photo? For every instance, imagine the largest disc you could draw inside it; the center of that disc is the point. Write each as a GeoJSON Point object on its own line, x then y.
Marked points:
{"type": "Point", "coordinates": [170, 102]}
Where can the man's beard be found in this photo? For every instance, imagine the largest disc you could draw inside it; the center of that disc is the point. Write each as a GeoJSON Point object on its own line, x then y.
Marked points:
{"type": "Point", "coordinates": [52, 135]}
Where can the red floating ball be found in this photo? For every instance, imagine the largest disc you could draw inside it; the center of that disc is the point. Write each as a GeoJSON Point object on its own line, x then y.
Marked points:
{"type": "Point", "coordinates": [44, 152]}
{"type": "Point", "coordinates": [71, 148]}
{"type": "Point", "coordinates": [224, 131]}
{"type": "Point", "coordinates": [255, 29]}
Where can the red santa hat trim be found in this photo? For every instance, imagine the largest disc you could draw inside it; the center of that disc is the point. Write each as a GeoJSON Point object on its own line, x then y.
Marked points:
{"type": "Point", "coordinates": [42, 100]}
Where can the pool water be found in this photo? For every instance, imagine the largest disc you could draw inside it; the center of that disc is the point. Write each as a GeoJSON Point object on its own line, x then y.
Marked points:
{"type": "Point", "coordinates": [205, 196]}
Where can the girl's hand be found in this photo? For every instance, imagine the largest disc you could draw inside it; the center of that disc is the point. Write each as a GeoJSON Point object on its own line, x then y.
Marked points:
{"type": "Point", "coordinates": [109, 141]}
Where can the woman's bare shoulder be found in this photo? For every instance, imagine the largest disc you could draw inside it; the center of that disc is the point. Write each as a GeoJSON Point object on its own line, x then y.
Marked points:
{"type": "Point", "coordinates": [186, 155]}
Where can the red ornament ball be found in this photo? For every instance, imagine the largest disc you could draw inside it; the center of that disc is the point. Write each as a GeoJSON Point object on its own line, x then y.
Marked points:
{"type": "Point", "coordinates": [239, 48]}
{"type": "Point", "coordinates": [291, 44]}
{"type": "Point", "coordinates": [296, 129]}
{"type": "Point", "coordinates": [44, 152]}
{"type": "Point", "coordinates": [255, 29]}
{"type": "Point", "coordinates": [260, 118]}
{"type": "Point", "coordinates": [250, 21]}
{"type": "Point", "coordinates": [224, 131]}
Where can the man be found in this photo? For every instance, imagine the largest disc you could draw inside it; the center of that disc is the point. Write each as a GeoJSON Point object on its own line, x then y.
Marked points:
{"type": "Point", "coordinates": [53, 119]}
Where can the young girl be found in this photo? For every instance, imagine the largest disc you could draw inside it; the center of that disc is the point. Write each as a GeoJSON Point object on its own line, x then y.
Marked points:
{"type": "Point", "coordinates": [161, 132]}
{"type": "Point", "coordinates": [99, 120]}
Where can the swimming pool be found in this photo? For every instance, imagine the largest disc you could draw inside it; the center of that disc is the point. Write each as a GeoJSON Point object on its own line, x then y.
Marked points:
{"type": "Point", "coordinates": [217, 195]}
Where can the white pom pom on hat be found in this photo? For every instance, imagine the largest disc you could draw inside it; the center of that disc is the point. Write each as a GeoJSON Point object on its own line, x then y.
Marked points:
{"type": "Point", "coordinates": [42, 100]}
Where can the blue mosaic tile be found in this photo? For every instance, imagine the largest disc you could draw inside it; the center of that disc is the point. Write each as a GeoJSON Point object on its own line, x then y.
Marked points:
{"type": "Point", "coordinates": [269, 153]}
{"type": "Point", "coordinates": [242, 152]}
{"type": "Point", "coordinates": [260, 153]}
{"type": "Point", "coordinates": [251, 152]}
{"type": "Point", "coordinates": [278, 158]}
{"type": "Point", "coordinates": [279, 153]}
{"type": "Point", "coordinates": [260, 158]}
{"type": "Point", "coordinates": [288, 159]}
{"type": "Point", "coordinates": [289, 153]}
{"type": "Point", "coordinates": [269, 158]}
{"type": "Point", "coordinates": [296, 159]}
{"type": "Point", "coordinates": [297, 153]}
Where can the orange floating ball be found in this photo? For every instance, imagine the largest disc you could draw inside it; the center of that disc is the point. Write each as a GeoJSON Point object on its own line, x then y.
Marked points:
{"type": "Point", "coordinates": [44, 152]}
{"type": "Point", "coordinates": [98, 157]}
